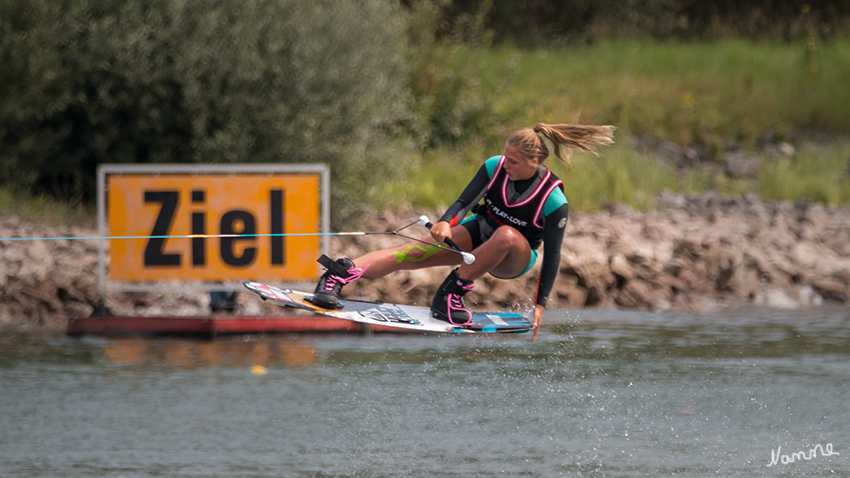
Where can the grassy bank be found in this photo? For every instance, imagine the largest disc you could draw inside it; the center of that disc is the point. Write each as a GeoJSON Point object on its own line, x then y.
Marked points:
{"type": "Point", "coordinates": [685, 92]}
{"type": "Point", "coordinates": [43, 209]}
{"type": "Point", "coordinates": [707, 94]}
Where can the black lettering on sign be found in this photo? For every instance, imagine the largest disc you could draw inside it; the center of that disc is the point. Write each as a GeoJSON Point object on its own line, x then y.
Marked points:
{"type": "Point", "coordinates": [154, 255]}
{"type": "Point", "coordinates": [248, 227]}
{"type": "Point", "coordinates": [277, 227]}
{"type": "Point", "coordinates": [199, 226]}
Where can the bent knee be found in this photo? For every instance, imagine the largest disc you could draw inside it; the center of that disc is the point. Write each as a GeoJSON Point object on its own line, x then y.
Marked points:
{"type": "Point", "coordinates": [508, 236]}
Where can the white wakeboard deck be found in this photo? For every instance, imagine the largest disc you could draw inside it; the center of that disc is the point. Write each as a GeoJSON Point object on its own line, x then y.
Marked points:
{"type": "Point", "coordinates": [392, 315]}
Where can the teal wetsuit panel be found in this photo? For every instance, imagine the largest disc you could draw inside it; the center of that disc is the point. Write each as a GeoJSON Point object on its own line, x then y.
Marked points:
{"type": "Point", "coordinates": [491, 165]}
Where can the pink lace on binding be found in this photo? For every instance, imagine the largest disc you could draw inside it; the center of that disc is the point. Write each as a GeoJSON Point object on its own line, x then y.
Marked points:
{"type": "Point", "coordinates": [455, 303]}
{"type": "Point", "coordinates": [353, 274]}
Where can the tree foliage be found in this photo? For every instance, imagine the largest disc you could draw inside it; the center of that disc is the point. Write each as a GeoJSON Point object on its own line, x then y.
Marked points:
{"type": "Point", "coordinates": [87, 82]}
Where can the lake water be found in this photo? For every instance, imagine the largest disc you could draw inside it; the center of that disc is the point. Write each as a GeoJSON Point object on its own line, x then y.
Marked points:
{"type": "Point", "coordinates": [601, 393]}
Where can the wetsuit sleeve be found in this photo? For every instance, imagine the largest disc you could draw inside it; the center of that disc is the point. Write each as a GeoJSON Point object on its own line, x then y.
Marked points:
{"type": "Point", "coordinates": [553, 238]}
{"type": "Point", "coordinates": [470, 196]}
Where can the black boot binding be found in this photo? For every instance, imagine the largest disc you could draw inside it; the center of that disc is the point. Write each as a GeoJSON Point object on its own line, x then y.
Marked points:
{"type": "Point", "coordinates": [330, 284]}
{"type": "Point", "coordinates": [448, 301]}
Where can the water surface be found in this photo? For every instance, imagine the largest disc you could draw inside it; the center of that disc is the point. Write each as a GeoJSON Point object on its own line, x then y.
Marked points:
{"type": "Point", "coordinates": [601, 393]}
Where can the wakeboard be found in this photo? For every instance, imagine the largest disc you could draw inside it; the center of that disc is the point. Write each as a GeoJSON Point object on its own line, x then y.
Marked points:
{"type": "Point", "coordinates": [392, 315]}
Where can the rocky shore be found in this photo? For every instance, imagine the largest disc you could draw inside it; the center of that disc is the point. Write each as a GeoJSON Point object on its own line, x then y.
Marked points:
{"type": "Point", "coordinates": [694, 253]}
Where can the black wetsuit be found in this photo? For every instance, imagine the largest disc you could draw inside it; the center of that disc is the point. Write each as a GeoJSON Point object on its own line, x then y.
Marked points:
{"type": "Point", "coordinates": [540, 213]}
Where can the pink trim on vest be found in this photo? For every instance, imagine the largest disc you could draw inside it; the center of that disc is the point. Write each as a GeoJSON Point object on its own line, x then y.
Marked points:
{"type": "Point", "coordinates": [496, 173]}
{"type": "Point", "coordinates": [537, 214]}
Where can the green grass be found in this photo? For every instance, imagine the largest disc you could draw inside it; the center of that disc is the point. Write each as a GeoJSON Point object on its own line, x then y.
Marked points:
{"type": "Point", "coordinates": [689, 93]}
{"type": "Point", "coordinates": [685, 92]}
{"type": "Point", "coordinates": [43, 209]}
{"type": "Point", "coordinates": [620, 175]}
{"type": "Point", "coordinates": [819, 173]}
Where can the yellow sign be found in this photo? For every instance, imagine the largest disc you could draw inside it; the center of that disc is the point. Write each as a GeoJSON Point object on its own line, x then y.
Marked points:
{"type": "Point", "coordinates": [270, 211]}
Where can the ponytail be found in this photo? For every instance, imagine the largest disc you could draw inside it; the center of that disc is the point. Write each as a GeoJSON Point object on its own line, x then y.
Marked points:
{"type": "Point", "coordinates": [585, 138]}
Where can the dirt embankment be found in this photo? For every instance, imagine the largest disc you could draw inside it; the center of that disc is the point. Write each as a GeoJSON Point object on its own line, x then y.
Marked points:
{"type": "Point", "coordinates": [695, 253]}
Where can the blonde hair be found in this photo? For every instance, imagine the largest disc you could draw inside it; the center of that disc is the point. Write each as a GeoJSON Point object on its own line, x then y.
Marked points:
{"type": "Point", "coordinates": [530, 144]}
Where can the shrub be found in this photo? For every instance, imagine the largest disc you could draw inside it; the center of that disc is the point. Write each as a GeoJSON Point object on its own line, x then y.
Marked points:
{"type": "Point", "coordinates": [161, 81]}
